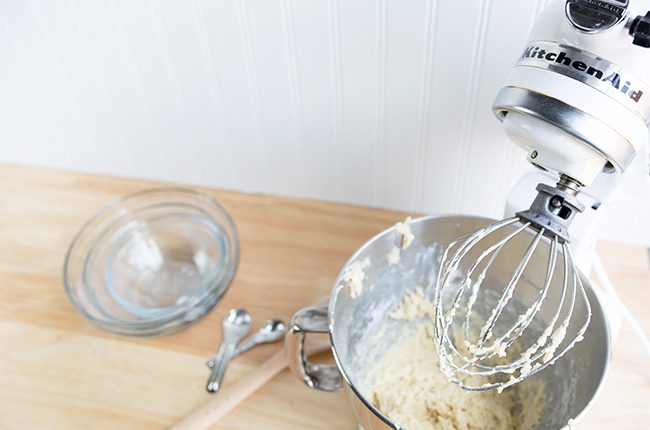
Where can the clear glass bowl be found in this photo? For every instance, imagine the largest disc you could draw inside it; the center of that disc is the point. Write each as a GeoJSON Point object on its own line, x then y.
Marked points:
{"type": "Point", "coordinates": [152, 262]}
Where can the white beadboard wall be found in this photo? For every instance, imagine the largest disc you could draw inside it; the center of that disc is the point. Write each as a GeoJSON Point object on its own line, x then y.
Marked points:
{"type": "Point", "coordinates": [373, 102]}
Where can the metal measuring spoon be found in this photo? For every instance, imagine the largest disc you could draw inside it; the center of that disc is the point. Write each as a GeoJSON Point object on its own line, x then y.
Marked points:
{"type": "Point", "coordinates": [235, 326]}
{"type": "Point", "coordinates": [271, 331]}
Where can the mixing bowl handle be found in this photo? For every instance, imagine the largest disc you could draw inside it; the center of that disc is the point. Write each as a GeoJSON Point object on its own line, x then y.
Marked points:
{"type": "Point", "coordinates": [319, 376]}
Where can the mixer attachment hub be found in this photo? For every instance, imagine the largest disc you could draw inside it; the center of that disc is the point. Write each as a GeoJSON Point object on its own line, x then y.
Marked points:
{"type": "Point", "coordinates": [553, 211]}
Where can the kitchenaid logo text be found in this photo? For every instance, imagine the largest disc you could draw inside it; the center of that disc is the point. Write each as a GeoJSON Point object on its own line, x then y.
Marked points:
{"type": "Point", "coordinates": [580, 63]}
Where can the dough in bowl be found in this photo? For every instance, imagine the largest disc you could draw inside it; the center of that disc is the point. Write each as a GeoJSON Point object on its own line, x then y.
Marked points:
{"type": "Point", "coordinates": [407, 386]}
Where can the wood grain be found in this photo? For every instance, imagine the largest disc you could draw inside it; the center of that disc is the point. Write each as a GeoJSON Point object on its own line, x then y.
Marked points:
{"type": "Point", "coordinates": [59, 372]}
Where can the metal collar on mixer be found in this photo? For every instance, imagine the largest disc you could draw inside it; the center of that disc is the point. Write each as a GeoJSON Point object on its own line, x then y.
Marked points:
{"type": "Point", "coordinates": [611, 144]}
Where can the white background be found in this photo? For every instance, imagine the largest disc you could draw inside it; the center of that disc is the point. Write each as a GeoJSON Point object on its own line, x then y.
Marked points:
{"type": "Point", "coordinates": [373, 102]}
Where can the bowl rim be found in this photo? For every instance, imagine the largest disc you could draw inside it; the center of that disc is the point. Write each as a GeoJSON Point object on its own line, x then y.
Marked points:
{"type": "Point", "coordinates": [369, 405]}
{"type": "Point", "coordinates": [177, 319]}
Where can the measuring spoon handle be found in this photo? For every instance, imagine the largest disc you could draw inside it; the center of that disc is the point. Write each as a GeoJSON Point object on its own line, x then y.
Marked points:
{"type": "Point", "coordinates": [225, 354]}
{"type": "Point", "coordinates": [242, 347]}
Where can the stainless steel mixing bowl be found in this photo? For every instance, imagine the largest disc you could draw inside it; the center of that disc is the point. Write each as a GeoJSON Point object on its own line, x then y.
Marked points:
{"type": "Point", "coordinates": [571, 385]}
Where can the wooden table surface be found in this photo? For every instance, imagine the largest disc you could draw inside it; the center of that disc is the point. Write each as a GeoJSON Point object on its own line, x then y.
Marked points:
{"type": "Point", "coordinates": [58, 371]}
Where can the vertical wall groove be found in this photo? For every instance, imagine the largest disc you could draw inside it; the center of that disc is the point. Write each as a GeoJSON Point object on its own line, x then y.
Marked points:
{"type": "Point", "coordinates": [380, 107]}
{"type": "Point", "coordinates": [100, 84]}
{"type": "Point", "coordinates": [337, 108]}
{"type": "Point", "coordinates": [253, 87]}
{"type": "Point", "coordinates": [468, 123]}
{"type": "Point", "coordinates": [424, 104]}
{"type": "Point", "coordinates": [297, 111]}
{"type": "Point", "coordinates": [134, 73]}
{"type": "Point", "coordinates": [174, 80]}
{"type": "Point", "coordinates": [214, 85]}
{"type": "Point", "coordinates": [78, 113]}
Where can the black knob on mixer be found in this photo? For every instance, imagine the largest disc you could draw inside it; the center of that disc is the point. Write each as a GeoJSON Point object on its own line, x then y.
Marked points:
{"type": "Point", "coordinates": [640, 30]}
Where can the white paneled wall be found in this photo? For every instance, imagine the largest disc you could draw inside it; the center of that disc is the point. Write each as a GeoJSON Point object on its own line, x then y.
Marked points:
{"type": "Point", "coordinates": [374, 102]}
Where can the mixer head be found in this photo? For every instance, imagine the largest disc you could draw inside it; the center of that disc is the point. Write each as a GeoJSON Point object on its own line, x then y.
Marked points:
{"type": "Point", "coordinates": [578, 98]}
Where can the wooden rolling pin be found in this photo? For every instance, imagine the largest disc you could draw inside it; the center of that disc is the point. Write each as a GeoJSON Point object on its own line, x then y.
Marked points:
{"type": "Point", "coordinates": [229, 397]}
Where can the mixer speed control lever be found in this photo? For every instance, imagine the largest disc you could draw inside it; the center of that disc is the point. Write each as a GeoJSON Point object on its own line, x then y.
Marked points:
{"type": "Point", "coordinates": [640, 30]}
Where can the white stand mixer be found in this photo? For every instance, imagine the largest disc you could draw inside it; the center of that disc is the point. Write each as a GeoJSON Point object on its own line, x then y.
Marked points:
{"type": "Point", "coordinates": [602, 195]}
{"type": "Point", "coordinates": [578, 102]}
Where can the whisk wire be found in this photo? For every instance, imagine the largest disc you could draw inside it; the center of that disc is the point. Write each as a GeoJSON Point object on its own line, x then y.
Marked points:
{"type": "Point", "coordinates": [486, 331]}
{"type": "Point", "coordinates": [524, 320]}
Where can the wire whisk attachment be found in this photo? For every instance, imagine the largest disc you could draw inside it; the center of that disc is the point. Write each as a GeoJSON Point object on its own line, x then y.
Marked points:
{"type": "Point", "coordinates": [501, 319]}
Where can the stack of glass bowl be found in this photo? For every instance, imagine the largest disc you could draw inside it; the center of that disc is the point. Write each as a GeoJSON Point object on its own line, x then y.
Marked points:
{"type": "Point", "coordinates": [152, 262]}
